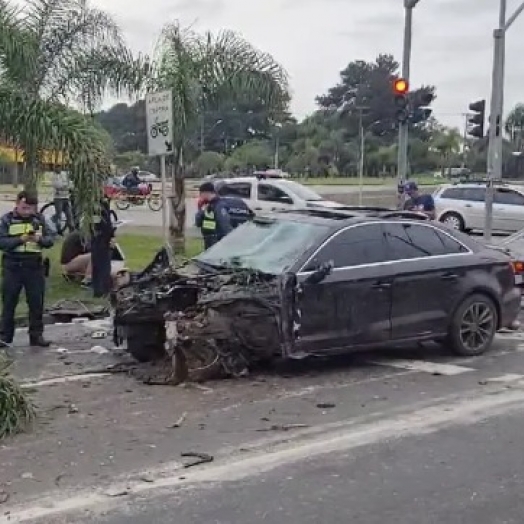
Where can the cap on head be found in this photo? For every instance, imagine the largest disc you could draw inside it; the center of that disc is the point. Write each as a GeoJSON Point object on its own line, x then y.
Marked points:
{"type": "Point", "coordinates": [206, 187]}
{"type": "Point", "coordinates": [27, 197]}
{"type": "Point", "coordinates": [410, 186]}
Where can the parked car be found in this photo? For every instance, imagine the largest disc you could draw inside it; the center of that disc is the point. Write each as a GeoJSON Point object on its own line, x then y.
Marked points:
{"type": "Point", "coordinates": [320, 281]}
{"type": "Point", "coordinates": [514, 247]}
{"type": "Point", "coordinates": [462, 206]}
{"type": "Point", "coordinates": [272, 194]}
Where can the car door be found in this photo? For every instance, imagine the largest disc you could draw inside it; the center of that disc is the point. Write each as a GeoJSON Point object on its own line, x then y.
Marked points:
{"type": "Point", "coordinates": [352, 305]}
{"type": "Point", "coordinates": [508, 210]}
{"type": "Point", "coordinates": [473, 206]}
{"type": "Point", "coordinates": [429, 267]}
{"type": "Point", "coordinates": [272, 198]}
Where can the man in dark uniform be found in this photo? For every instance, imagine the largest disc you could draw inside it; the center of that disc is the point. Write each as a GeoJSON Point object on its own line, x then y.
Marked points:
{"type": "Point", "coordinates": [23, 235]}
{"type": "Point", "coordinates": [213, 217]}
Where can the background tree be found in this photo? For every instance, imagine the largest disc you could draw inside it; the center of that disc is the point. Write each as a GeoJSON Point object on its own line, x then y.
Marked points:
{"type": "Point", "coordinates": [53, 52]}
{"type": "Point", "coordinates": [206, 73]}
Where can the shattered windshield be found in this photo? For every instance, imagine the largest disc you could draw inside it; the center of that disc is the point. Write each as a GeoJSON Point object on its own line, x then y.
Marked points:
{"type": "Point", "coordinates": [270, 246]}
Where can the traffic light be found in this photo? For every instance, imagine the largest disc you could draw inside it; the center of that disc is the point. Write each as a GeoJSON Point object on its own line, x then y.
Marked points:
{"type": "Point", "coordinates": [420, 110]}
{"type": "Point", "coordinates": [401, 90]}
{"type": "Point", "coordinates": [476, 120]}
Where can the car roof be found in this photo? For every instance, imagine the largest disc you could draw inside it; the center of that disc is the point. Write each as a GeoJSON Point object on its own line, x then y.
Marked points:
{"type": "Point", "coordinates": [481, 183]}
{"type": "Point", "coordinates": [346, 215]}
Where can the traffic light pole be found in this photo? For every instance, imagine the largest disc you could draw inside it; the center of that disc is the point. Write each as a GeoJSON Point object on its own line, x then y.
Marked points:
{"type": "Point", "coordinates": [402, 167]}
{"type": "Point", "coordinates": [494, 162]}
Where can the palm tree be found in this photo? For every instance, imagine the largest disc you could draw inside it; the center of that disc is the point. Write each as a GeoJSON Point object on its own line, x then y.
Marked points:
{"type": "Point", "coordinates": [53, 53]}
{"type": "Point", "coordinates": [446, 142]}
{"type": "Point", "coordinates": [206, 72]}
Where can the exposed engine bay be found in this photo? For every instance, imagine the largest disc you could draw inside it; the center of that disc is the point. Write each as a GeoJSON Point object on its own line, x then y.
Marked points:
{"type": "Point", "coordinates": [205, 324]}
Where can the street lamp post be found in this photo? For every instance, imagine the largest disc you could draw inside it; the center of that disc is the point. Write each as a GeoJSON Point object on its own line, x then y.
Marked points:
{"type": "Point", "coordinates": [402, 168]}
{"type": "Point", "coordinates": [494, 163]}
{"type": "Point", "coordinates": [362, 151]}
{"type": "Point", "coordinates": [278, 127]}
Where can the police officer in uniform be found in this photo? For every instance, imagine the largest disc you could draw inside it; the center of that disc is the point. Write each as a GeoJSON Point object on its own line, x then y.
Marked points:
{"type": "Point", "coordinates": [24, 234]}
{"type": "Point", "coordinates": [213, 217]}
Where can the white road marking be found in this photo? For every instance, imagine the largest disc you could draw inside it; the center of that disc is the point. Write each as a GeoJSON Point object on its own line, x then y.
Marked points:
{"type": "Point", "coordinates": [449, 411]}
{"type": "Point", "coordinates": [63, 380]}
{"type": "Point", "coordinates": [507, 378]}
{"type": "Point", "coordinates": [422, 366]}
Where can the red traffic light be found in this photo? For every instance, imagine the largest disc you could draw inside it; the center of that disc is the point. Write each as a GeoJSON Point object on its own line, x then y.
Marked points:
{"type": "Point", "coordinates": [400, 86]}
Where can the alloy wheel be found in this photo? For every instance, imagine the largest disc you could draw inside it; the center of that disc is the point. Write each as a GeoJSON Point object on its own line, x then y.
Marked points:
{"type": "Point", "coordinates": [477, 325]}
{"type": "Point", "coordinates": [453, 222]}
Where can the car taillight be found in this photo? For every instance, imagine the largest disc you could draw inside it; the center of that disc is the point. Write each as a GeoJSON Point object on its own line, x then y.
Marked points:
{"type": "Point", "coordinates": [518, 267]}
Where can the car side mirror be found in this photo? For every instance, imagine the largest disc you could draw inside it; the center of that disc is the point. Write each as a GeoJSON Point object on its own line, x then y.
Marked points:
{"type": "Point", "coordinates": [320, 273]}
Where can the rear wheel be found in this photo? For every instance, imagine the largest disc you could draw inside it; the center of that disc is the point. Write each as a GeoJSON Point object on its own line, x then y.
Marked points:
{"type": "Point", "coordinates": [49, 212]}
{"type": "Point", "coordinates": [474, 326]}
{"type": "Point", "coordinates": [154, 202]}
{"type": "Point", "coordinates": [453, 220]}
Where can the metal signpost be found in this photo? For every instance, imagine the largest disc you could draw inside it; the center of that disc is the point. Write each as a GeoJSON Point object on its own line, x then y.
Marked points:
{"type": "Point", "coordinates": [159, 118]}
{"type": "Point", "coordinates": [494, 163]}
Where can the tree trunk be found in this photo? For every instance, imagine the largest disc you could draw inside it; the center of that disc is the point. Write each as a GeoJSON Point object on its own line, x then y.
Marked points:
{"type": "Point", "coordinates": [177, 208]}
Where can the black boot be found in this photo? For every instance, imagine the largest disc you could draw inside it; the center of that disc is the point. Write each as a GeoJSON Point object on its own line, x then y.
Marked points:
{"type": "Point", "coordinates": [39, 341]}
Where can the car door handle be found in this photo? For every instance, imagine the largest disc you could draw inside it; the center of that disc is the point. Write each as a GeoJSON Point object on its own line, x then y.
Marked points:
{"type": "Point", "coordinates": [449, 276]}
{"type": "Point", "coordinates": [382, 285]}
{"type": "Point", "coordinates": [468, 205]}
{"type": "Point", "coordinates": [258, 209]}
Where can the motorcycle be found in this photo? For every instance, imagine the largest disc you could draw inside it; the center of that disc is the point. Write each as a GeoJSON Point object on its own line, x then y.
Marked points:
{"type": "Point", "coordinates": [124, 199]}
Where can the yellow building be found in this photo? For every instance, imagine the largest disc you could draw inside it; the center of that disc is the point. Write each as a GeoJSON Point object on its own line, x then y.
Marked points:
{"type": "Point", "coordinates": [11, 155]}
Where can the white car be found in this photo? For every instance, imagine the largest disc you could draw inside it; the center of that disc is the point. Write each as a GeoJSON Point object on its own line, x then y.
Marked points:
{"type": "Point", "coordinates": [462, 206]}
{"type": "Point", "coordinates": [272, 194]}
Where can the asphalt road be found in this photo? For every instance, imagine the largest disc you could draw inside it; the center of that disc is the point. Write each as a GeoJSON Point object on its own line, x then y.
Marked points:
{"type": "Point", "coordinates": [411, 435]}
{"type": "Point", "coordinates": [467, 474]}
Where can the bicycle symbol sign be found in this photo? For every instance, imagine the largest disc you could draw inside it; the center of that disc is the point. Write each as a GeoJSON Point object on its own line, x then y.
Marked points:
{"type": "Point", "coordinates": [159, 114]}
{"type": "Point", "coordinates": [161, 128]}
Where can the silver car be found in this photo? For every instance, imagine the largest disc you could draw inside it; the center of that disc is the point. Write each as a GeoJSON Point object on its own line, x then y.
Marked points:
{"type": "Point", "coordinates": [462, 206]}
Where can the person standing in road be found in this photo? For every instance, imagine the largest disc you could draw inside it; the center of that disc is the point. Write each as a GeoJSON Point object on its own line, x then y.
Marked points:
{"type": "Point", "coordinates": [212, 216]}
{"type": "Point", "coordinates": [419, 202]}
{"type": "Point", "coordinates": [24, 234]}
{"type": "Point", "coordinates": [62, 199]}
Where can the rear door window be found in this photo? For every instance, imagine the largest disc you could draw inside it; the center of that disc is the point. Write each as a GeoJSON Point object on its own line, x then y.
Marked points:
{"type": "Point", "coordinates": [269, 193]}
{"type": "Point", "coordinates": [508, 197]}
{"type": "Point", "coordinates": [408, 241]}
{"type": "Point", "coordinates": [471, 194]}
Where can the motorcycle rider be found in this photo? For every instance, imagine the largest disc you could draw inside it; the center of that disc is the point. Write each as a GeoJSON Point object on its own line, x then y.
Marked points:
{"type": "Point", "coordinates": [212, 217]}
{"type": "Point", "coordinates": [132, 181]}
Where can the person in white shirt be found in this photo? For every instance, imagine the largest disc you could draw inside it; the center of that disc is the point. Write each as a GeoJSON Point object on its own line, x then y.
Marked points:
{"type": "Point", "coordinates": [62, 199]}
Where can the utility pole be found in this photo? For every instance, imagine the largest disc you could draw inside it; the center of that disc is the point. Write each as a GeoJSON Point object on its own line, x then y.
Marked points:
{"type": "Point", "coordinates": [276, 162]}
{"type": "Point", "coordinates": [494, 163]}
{"type": "Point", "coordinates": [465, 138]}
{"type": "Point", "coordinates": [402, 168]}
{"type": "Point", "coordinates": [362, 151]}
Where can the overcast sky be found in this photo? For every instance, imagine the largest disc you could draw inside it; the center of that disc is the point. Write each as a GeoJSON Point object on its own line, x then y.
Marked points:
{"type": "Point", "coordinates": [315, 39]}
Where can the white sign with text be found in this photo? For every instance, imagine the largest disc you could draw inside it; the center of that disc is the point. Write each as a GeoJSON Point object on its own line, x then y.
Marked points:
{"type": "Point", "coordinates": [159, 121]}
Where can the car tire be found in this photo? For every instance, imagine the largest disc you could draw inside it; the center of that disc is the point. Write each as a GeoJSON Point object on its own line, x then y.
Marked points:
{"type": "Point", "coordinates": [145, 342]}
{"type": "Point", "coordinates": [453, 220]}
{"type": "Point", "coordinates": [480, 312]}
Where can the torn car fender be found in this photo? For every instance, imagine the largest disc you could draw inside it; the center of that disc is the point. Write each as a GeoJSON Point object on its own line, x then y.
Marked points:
{"type": "Point", "coordinates": [289, 321]}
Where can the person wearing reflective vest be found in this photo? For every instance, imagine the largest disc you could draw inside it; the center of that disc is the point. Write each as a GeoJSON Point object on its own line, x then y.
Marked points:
{"type": "Point", "coordinates": [212, 217]}
{"type": "Point", "coordinates": [24, 234]}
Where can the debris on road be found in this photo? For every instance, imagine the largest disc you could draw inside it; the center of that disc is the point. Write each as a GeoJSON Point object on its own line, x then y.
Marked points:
{"type": "Point", "coordinates": [283, 427]}
{"type": "Point", "coordinates": [179, 422]}
{"type": "Point", "coordinates": [203, 458]}
{"type": "Point", "coordinates": [4, 496]}
{"type": "Point", "coordinates": [326, 405]}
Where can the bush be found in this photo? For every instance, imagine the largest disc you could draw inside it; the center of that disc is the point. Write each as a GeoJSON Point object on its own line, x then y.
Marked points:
{"type": "Point", "coordinates": [16, 409]}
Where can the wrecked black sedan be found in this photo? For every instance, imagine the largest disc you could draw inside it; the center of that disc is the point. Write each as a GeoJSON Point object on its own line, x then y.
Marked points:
{"type": "Point", "coordinates": [316, 282]}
